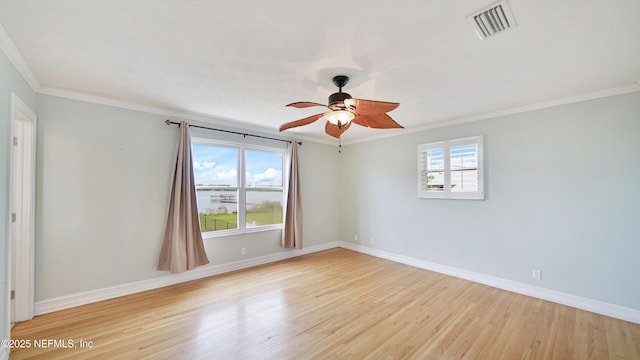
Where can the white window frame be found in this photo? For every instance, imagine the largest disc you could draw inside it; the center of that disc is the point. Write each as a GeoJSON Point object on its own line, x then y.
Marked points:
{"type": "Point", "coordinates": [446, 147]}
{"type": "Point", "coordinates": [242, 188]}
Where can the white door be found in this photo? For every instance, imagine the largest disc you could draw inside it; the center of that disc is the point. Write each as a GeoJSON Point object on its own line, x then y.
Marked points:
{"type": "Point", "coordinates": [22, 210]}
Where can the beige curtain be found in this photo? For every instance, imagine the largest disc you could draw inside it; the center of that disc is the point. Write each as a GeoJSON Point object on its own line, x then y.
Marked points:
{"type": "Point", "coordinates": [292, 229]}
{"type": "Point", "coordinates": [182, 248]}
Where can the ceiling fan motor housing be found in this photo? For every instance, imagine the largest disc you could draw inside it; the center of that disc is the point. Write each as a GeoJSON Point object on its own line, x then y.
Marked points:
{"type": "Point", "coordinates": [336, 100]}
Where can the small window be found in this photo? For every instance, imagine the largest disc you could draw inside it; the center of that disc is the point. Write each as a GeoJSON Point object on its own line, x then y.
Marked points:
{"type": "Point", "coordinates": [239, 187]}
{"type": "Point", "coordinates": [451, 169]}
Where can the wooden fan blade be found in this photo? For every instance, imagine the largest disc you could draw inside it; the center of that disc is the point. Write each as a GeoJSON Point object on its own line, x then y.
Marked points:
{"type": "Point", "coordinates": [334, 130]}
{"type": "Point", "coordinates": [376, 121]}
{"type": "Point", "coordinates": [305, 104]}
{"type": "Point", "coordinates": [301, 122]}
{"type": "Point", "coordinates": [366, 107]}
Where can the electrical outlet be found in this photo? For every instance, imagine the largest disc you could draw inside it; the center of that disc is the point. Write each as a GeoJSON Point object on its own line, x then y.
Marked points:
{"type": "Point", "coordinates": [243, 251]}
{"type": "Point", "coordinates": [536, 274]}
{"type": "Point", "coordinates": [355, 237]}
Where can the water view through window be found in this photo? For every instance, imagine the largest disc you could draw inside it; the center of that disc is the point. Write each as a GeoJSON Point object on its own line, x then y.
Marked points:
{"type": "Point", "coordinates": [234, 194]}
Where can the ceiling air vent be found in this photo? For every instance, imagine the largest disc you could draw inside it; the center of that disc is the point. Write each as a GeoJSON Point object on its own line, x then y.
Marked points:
{"type": "Point", "coordinates": [492, 20]}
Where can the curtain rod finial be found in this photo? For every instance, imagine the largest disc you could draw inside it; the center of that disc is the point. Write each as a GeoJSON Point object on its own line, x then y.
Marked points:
{"type": "Point", "coordinates": [168, 122]}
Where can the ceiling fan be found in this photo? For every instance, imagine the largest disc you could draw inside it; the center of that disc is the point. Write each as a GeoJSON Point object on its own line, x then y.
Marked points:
{"type": "Point", "coordinates": [345, 110]}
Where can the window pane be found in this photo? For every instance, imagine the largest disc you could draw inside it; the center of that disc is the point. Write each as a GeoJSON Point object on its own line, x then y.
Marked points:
{"type": "Point", "coordinates": [464, 181]}
{"type": "Point", "coordinates": [464, 157]}
{"type": "Point", "coordinates": [264, 181]}
{"type": "Point", "coordinates": [264, 169]}
{"type": "Point", "coordinates": [464, 168]}
{"type": "Point", "coordinates": [264, 207]}
{"type": "Point", "coordinates": [434, 174]}
{"type": "Point", "coordinates": [435, 181]}
{"type": "Point", "coordinates": [215, 165]}
{"type": "Point", "coordinates": [218, 209]}
{"type": "Point", "coordinates": [435, 159]}
{"type": "Point", "coordinates": [216, 176]}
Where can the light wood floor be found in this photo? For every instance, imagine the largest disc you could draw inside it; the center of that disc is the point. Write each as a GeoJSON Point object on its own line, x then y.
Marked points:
{"type": "Point", "coordinates": [335, 304]}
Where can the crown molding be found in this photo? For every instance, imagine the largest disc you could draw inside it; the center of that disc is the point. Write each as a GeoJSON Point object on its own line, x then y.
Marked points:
{"type": "Point", "coordinates": [238, 124]}
{"type": "Point", "coordinates": [242, 125]}
{"type": "Point", "coordinates": [204, 119]}
{"type": "Point", "coordinates": [15, 57]}
{"type": "Point", "coordinates": [510, 111]}
{"type": "Point", "coordinates": [9, 48]}
{"type": "Point", "coordinates": [174, 113]}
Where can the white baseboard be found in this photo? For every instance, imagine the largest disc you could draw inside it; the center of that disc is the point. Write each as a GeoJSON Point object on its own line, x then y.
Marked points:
{"type": "Point", "coordinates": [599, 307]}
{"type": "Point", "coordinates": [87, 297]}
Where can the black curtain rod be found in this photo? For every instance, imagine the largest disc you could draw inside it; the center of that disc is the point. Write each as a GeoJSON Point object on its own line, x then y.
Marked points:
{"type": "Point", "coordinates": [169, 122]}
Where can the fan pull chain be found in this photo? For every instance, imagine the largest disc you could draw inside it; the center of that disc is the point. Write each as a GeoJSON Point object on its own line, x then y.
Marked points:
{"type": "Point", "coordinates": [339, 146]}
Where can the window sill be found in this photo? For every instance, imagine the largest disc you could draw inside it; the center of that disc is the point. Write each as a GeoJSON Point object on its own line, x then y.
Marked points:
{"type": "Point", "coordinates": [457, 196]}
{"type": "Point", "coordinates": [224, 233]}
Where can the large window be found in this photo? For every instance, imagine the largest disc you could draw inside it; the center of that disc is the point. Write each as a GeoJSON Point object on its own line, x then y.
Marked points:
{"type": "Point", "coordinates": [239, 187]}
{"type": "Point", "coordinates": [451, 169]}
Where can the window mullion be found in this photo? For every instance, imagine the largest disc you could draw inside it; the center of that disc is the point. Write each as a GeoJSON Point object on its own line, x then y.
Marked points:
{"type": "Point", "coordinates": [447, 169]}
{"type": "Point", "coordinates": [242, 191]}
{"type": "Point", "coordinates": [286, 159]}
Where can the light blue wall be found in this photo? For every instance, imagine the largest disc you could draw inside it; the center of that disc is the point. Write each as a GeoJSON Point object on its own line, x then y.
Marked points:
{"type": "Point", "coordinates": [562, 195]}
{"type": "Point", "coordinates": [10, 81]}
{"type": "Point", "coordinates": [103, 180]}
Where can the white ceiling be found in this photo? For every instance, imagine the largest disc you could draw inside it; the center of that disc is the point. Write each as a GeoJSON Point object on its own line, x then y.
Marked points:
{"type": "Point", "coordinates": [244, 60]}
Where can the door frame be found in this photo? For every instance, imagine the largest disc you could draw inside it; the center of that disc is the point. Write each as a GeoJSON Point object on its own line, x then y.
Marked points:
{"type": "Point", "coordinates": [23, 271]}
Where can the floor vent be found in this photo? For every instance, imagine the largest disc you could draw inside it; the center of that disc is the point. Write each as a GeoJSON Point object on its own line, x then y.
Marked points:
{"type": "Point", "coordinates": [492, 20]}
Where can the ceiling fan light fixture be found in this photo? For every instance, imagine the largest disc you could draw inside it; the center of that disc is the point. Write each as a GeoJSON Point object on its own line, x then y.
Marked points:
{"type": "Point", "coordinates": [345, 110]}
{"type": "Point", "coordinates": [339, 117]}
